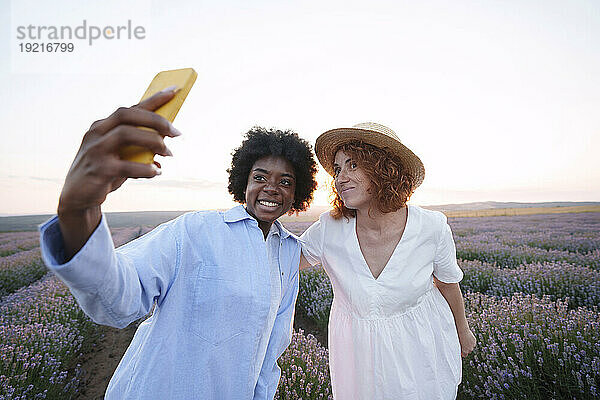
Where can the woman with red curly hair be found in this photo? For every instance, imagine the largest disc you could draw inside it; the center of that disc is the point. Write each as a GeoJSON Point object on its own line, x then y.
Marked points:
{"type": "Point", "coordinates": [397, 327]}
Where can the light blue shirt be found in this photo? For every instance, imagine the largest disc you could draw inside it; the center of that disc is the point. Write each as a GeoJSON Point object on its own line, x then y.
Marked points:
{"type": "Point", "coordinates": [210, 277]}
{"type": "Point", "coordinates": [273, 242]}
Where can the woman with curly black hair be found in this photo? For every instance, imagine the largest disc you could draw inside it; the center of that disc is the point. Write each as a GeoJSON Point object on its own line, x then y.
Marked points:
{"type": "Point", "coordinates": [269, 146]}
{"type": "Point", "coordinates": [223, 284]}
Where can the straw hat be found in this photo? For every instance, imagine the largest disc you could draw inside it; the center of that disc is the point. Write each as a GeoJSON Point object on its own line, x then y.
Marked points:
{"type": "Point", "coordinates": [372, 133]}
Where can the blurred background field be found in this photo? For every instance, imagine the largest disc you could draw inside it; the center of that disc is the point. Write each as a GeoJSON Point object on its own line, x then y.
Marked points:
{"type": "Point", "coordinates": [23, 223]}
{"type": "Point", "coordinates": [531, 288]}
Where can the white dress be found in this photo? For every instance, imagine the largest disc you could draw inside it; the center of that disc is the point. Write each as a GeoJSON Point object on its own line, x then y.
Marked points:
{"type": "Point", "coordinates": [393, 337]}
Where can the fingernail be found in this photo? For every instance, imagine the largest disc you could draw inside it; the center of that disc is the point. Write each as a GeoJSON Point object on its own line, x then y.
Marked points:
{"type": "Point", "coordinates": [169, 152]}
{"type": "Point", "coordinates": [174, 131]}
{"type": "Point", "coordinates": [169, 89]}
{"type": "Point", "coordinates": [156, 169]}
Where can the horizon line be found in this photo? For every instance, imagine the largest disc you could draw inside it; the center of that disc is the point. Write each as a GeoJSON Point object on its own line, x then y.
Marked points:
{"type": "Point", "coordinates": [5, 215]}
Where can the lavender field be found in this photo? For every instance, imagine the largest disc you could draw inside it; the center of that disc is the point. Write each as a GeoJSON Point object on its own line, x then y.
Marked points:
{"type": "Point", "coordinates": [43, 332]}
{"type": "Point", "coordinates": [531, 291]}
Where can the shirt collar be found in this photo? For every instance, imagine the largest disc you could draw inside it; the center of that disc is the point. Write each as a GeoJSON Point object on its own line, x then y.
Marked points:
{"type": "Point", "coordinates": [274, 230]}
{"type": "Point", "coordinates": [282, 231]}
{"type": "Point", "coordinates": [236, 214]}
{"type": "Point", "coordinates": [239, 213]}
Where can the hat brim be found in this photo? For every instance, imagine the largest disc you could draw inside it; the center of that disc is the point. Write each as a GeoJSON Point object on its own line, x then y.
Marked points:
{"type": "Point", "coordinates": [328, 143]}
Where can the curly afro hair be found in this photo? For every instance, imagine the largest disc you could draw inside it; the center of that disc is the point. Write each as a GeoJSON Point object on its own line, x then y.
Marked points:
{"type": "Point", "coordinates": [260, 142]}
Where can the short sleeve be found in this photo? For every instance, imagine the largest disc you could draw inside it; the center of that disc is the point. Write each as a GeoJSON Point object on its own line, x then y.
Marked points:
{"type": "Point", "coordinates": [312, 243]}
{"type": "Point", "coordinates": [445, 266]}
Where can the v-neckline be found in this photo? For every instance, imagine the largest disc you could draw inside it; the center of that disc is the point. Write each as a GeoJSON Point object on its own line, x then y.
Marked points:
{"type": "Point", "coordinates": [362, 256]}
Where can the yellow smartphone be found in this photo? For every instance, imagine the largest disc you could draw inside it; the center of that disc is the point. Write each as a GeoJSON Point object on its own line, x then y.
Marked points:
{"type": "Point", "coordinates": [184, 80]}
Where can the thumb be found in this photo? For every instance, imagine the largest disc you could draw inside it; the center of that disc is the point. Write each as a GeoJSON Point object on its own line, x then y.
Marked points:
{"type": "Point", "coordinates": [158, 99]}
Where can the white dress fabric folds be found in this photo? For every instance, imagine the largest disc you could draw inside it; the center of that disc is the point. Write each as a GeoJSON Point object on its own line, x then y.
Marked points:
{"type": "Point", "coordinates": [393, 337]}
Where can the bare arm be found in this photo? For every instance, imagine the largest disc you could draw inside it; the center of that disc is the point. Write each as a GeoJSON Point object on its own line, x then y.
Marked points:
{"type": "Point", "coordinates": [77, 227]}
{"type": "Point", "coordinates": [453, 295]}
{"type": "Point", "coordinates": [98, 170]}
{"type": "Point", "coordinates": [303, 262]}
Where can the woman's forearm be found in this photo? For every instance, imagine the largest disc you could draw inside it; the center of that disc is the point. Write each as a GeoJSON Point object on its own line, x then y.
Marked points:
{"type": "Point", "coordinates": [453, 295]}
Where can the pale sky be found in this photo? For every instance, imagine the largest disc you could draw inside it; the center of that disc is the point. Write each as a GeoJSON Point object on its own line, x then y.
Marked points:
{"type": "Point", "coordinates": [500, 99]}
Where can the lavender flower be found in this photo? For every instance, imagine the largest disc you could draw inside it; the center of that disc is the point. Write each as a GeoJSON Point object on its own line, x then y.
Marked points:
{"type": "Point", "coordinates": [304, 370]}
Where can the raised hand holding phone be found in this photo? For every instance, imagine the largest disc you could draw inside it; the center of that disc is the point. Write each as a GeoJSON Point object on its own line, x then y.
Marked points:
{"type": "Point", "coordinates": [99, 167]}
{"type": "Point", "coordinates": [183, 80]}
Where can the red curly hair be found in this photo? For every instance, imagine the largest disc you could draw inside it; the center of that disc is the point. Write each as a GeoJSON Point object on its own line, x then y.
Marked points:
{"type": "Point", "coordinates": [390, 185]}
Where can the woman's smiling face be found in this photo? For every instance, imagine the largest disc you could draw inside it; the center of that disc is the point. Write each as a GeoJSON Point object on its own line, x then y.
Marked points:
{"type": "Point", "coordinates": [270, 189]}
{"type": "Point", "coordinates": [351, 182]}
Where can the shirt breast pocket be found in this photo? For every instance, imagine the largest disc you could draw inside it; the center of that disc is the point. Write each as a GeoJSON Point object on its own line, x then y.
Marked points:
{"type": "Point", "coordinates": [220, 305]}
